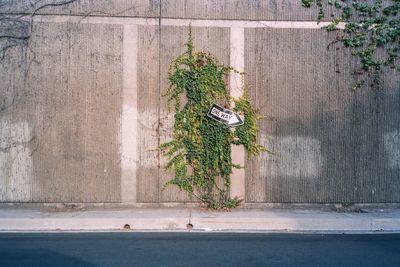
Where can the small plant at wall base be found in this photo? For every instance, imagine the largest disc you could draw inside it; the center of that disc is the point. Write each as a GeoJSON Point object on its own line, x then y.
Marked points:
{"type": "Point", "coordinates": [372, 31]}
{"type": "Point", "coordinates": [200, 152]}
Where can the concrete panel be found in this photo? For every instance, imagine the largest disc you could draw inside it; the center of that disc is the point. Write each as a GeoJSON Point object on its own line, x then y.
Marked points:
{"type": "Point", "coordinates": [376, 124]}
{"type": "Point", "coordinates": [329, 142]}
{"type": "Point", "coordinates": [96, 72]}
{"type": "Point", "coordinates": [214, 40]}
{"type": "Point", "coordinates": [148, 114]}
{"type": "Point", "coordinates": [17, 137]}
{"type": "Point", "coordinates": [70, 111]}
{"type": "Point", "coordinates": [239, 10]}
{"type": "Point", "coordinates": [123, 8]}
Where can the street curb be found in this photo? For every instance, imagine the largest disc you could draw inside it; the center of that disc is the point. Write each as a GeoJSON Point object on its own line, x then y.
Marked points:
{"type": "Point", "coordinates": [182, 220]}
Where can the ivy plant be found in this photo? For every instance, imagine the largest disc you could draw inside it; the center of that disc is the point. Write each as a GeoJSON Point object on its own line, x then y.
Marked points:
{"type": "Point", "coordinates": [372, 31]}
{"type": "Point", "coordinates": [200, 151]}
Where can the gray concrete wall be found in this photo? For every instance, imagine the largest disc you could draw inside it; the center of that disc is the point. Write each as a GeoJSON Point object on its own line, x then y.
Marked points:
{"type": "Point", "coordinates": [61, 107]}
{"type": "Point", "coordinates": [82, 108]}
{"type": "Point", "coordinates": [330, 144]}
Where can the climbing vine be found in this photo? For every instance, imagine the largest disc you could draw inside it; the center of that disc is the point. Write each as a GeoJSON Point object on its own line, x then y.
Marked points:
{"type": "Point", "coordinates": [372, 31]}
{"type": "Point", "coordinates": [200, 152]}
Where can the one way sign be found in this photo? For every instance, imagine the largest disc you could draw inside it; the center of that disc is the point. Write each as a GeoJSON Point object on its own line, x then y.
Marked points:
{"type": "Point", "coordinates": [224, 115]}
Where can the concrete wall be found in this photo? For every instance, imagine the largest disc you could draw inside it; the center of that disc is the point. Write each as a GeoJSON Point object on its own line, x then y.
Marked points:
{"type": "Point", "coordinates": [82, 108]}
{"type": "Point", "coordinates": [330, 144]}
{"type": "Point", "coordinates": [60, 115]}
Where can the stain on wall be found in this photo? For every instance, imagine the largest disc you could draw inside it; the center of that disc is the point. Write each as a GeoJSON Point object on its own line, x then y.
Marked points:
{"type": "Point", "coordinates": [70, 99]}
{"type": "Point", "coordinates": [392, 147]}
{"type": "Point", "coordinates": [16, 169]}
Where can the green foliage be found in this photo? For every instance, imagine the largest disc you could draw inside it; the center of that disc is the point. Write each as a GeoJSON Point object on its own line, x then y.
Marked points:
{"type": "Point", "coordinates": [200, 152]}
{"type": "Point", "coordinates": [372, 31]}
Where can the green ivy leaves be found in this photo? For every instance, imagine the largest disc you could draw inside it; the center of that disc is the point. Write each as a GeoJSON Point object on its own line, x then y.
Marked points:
{"type": "Point", "coordinates": [200, 152]}
{"type": "Point", "coordinates": [372, 32]}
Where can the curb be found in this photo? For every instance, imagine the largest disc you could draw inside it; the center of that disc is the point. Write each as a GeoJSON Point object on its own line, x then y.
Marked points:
{"type": "Point", "coordinates": [183, 220]}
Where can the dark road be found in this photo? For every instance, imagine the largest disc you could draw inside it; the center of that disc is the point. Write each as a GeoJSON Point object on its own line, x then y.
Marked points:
{"type": "Point", "coordinates": [198, 249]}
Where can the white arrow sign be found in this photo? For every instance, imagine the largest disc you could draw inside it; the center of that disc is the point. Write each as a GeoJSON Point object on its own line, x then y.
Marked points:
{"type": "Point", "coordinates": [224, 115]}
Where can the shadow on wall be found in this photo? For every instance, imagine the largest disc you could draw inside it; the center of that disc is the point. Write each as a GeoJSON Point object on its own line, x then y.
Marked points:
{"type": "Point", "coordinates": [331, 144]}
{"type": "Point", "coordinates": [350, 153]}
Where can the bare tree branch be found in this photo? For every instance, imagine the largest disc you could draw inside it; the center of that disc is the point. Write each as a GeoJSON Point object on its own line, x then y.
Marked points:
{"type": "Point", "coordinates": [15, 37]}
{"type": "Point", "coordinates": [51, 5]}
{"type": "Point", "coordinates": [16, 27]}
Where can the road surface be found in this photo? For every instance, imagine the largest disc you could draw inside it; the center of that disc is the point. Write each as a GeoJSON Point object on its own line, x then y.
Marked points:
{"type": "Point", "coordinates": [198, 249]}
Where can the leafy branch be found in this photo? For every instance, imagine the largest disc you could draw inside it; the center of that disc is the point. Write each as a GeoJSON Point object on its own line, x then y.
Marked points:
{"type": "Point", "coordinates": [200, 153]}
{"type": "Point", "coordinates": [372, 32]}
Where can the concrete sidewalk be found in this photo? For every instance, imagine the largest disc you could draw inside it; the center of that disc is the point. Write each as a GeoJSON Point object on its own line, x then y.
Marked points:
{"type": "Point", "coordinates": [173, 219]}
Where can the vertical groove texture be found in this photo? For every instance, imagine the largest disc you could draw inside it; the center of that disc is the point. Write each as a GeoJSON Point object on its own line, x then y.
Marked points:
{"type": "Point", "coordinates": [60, 124]}
{"type": "Point", "coordinates": [240, 10]}
{"type": "Point", "coordinates": [65, 118]}
{"type": "Point", "coordinates": [330, 144]}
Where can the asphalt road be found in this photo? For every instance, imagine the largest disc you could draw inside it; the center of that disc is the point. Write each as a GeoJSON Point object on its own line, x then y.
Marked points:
{"type": "Point", "coordinates": [198, 249]}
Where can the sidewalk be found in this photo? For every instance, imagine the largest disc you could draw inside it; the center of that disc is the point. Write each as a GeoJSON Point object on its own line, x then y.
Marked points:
{"type": "Point", "coordinates": [173, 219]}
